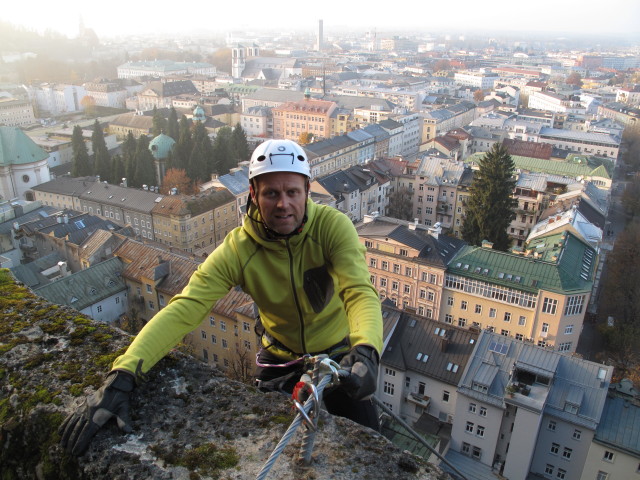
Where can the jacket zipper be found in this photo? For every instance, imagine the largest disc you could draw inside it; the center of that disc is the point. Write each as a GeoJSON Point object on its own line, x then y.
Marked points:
{"type": "Point", "coordinates": [295, 298]}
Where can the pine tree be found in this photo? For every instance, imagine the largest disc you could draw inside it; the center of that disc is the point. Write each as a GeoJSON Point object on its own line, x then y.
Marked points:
{"type": "Point", "coordinates": [101, 159]}
{"type": "Point", "coordinates": [224, 159]}
{"type": "Point", "coordinates": [205, 150]}
{"type": "Point", "coordinates": [145, 171]}
{"type": "Point", "coordinates": [80, 166]}
{"type": "Point", "coordinates": [129, 157]}
{"type": "Point", "coordinates": [159, 123]}
{"type": "Point", "coordinates": [173, 128]}
{"type": "Point", "coordinates": [184, 144]}
{"type": "Point", "coordinates": [117, 170]}
{"type": "Point", "coordinates": [491, 206]}
{"type": "Point", "coordinates": [240, 145]}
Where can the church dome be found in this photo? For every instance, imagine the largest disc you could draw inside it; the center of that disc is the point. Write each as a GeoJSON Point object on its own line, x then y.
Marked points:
{"type": "Point", "coordinates": [161, 146]}
{"type": "Point", "coordinates": [198, 114]}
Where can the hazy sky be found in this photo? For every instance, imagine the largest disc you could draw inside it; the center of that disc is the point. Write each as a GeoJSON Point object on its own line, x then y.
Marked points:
{"type": "Point", "coordinates": [620, 17]}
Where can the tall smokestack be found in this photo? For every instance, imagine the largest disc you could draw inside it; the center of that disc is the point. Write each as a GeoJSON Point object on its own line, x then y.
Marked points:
{"type": "Point", "coordinates": [319, 35]}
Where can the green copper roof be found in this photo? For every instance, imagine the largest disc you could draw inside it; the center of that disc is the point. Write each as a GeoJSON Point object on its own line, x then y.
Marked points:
{"type": "Point", "coordinates": [559, 263]}
{"type": "Point", "coordinates": [161, 146]}
{"type": "Point", "coordinates": [16, 148]}
{"type": "Point", "coordinates": [554, 167]}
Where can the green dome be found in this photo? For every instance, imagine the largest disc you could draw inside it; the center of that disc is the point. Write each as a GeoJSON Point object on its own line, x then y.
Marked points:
{"type": "Point", "coordinates": [198, 114]}
{"type": "Point", "coordinates": [161, 146]}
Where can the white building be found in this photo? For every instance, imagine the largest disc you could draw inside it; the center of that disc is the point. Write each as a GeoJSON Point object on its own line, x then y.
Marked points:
{"type": "Point", "coordinates": [56, 99]}
{"type": "Point", "coordinates": [479, 80]}
{"type": "Point", "coordinates": [23, 165]}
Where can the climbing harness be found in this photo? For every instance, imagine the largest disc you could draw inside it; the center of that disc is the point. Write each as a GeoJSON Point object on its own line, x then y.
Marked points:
{"type": "Point", "coordinates": [307, 398]}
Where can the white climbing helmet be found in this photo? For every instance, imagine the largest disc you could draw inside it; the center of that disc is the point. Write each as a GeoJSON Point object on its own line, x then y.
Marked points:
{"type": "Point", "coordinates": [278, 156]}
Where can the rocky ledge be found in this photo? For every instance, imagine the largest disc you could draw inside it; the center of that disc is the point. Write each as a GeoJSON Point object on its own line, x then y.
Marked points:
{"type": "Point", "coordinates": [190, 421]}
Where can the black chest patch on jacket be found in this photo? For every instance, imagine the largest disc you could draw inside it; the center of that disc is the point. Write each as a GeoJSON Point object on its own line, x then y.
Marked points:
{"type": "Point", "coordinates": [318, 285]}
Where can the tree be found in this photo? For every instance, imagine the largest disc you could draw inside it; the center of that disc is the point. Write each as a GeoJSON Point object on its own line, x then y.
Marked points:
{"type": "Point", "coordinates": [442, 65]}
{"type": "Point", "coordinates": [145, 172]}
{"type": "Point", "coordinates": [241, 367]}
{"type": "Point", "coordinates": [631, 198]}
{"type": "Point", "coordinates": [80, 166]}
{"type": "Point", "coordinates": [159, 123]}
{"type": "Point", "coordinates": [224, 160]}
{"type": "Point", "coordinates": [89, 104]}
{"type": "Point", "coordinates": [305, 138]}
{"type": "Point", "coordinates": [574, 79]}
{"type": "Point", "coordinates": [631, 149]}
{"type": "Point", "coordinates": [117, 169]}
{"type": "Point", "coordinates": [177, 178]}
{"type": "Point", "coordinates": [129, 147]}
{"type": "Point", "coordinates": [184, 144]}
{"type": "Point", "coordinates": [400, 204]}
{"type": "Point", "coordinates": [101, 159]}
{"type": "Point", "coordinates": [173, 128]}
{"type": "Point", "coordinates": [240, 144]}
{"type": "Point", "coordinates": [478, 95]}
{"type": "Point", "coordinates": [490, 208]}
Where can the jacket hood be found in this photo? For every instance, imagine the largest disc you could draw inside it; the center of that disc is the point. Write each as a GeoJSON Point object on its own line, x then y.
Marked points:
{"type": "Point", "coordinates": [252, 224]}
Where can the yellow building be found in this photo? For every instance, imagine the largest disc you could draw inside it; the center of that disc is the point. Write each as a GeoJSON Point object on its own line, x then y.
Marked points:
{"type": "Point", "coordinates": [292, 119]}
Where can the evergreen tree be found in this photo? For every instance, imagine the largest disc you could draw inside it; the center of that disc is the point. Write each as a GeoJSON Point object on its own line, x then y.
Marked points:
{"type": "Point", "coordinates": [197, 165]}
{"type": "Point", "coordinates": [173, 128]}
{"type": "Point", "coordinates": [129, 157]}
{"type": "Point", "coordinates": [80, 166]}
{"type": "Point", "coordinates": [400, 204]}
{"type": "Point", "coordinates": [240, 145]}
{"type": "Point", "coordinates": [101, 159]}
{"type": "Point", "coordinates": [224, 159]}
{"type": "Point", "coordinates": [159, 123]}
{"type": "Point", "coordinates": [145, 170]}
{"type": "Point", "coordinates": [184, 144]}
{"type": "Point", "coordinates": [491, 206]}
{"type": "Point", "coordinates": [202, 141]}
{"type": "Point", "coordinates": [117, 170]}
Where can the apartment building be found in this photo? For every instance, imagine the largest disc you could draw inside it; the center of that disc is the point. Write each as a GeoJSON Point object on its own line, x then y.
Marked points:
{"type": "Point", "coordinates": [16, 113]}
{"type": "Point", "coordinates": [478, 80]}
{"type": "Point", "coordinates": [531, 194]}
{"type": "Point", "coordinates": [357, 191]}
{"type": "Point", "coordinates": [621, 113]}
{"type": "Point", "coordinates": [257, 122]}
{"type": "Point", "coordinates": [194, 223]}
{"type": "Point", "coordinates": [52, 99]}
{"type": "Point", "coordinates": [332, 154]}
{"type": "Point", "coordinates": [554, 102]}
{"type": "Point", "coordinates": [107, 94]}
{"type": "Point", "coordinates": [292, 119]}
{"type": "Point", "coordinates": [236, 182]}
{"type": "Point", "coordinates": [421, 365]}
{"type": "Point", "coordinates": [407, 262]}
{"type": "Point", "coordinates": [406, 97]}
{"type": "Point", "coordinates": [226, 338]}
{"type": "Point", "coordinates": [538, 295]}
{"type": "Point", "coordinates": [437, 122]}
{"type": "Point", "coordinates": [161, 94]}
{"type": "Point", "coordinates": [526, 411]}
{"type": "Point", "coordinates": [587, 143]}
{"type": "Point", "coordinates": [164, 68]}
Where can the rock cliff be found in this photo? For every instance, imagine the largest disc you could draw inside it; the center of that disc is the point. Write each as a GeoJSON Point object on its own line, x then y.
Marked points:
{"type": "Point", "coordinates": [190, 421]}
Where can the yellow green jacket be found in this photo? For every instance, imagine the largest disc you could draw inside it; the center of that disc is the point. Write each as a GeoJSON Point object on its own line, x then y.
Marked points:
{"type": "Point", "coordinates": [312, 289]}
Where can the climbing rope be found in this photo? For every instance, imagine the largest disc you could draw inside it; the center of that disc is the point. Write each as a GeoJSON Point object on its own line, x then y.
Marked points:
{"type": "Point", "coordinates": [325, 371]}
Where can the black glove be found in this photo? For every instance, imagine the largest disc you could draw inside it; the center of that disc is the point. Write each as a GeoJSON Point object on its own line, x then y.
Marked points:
{"type": "Point", "coordinates": [110, 400]}
{"type": "Point", "coordinates": [361, 376]}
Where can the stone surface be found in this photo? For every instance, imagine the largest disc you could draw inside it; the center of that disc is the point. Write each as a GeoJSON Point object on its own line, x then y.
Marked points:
{"type": "Point", "coordinates": [189, 420]}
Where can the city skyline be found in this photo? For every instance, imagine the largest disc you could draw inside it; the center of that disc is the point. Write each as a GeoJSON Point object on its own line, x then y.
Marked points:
{"type": "Point", "coordinates": [548, 17]}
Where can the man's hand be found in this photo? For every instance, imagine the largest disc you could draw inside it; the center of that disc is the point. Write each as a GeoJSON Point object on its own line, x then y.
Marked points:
{"type": "Point", "coordinates": [110, 400]}
{"type": "Point", "coordinates": [362, 364]}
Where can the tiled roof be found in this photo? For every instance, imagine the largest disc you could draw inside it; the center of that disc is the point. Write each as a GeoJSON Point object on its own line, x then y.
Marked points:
{"type": "Point", "coordinates": [528, 149]}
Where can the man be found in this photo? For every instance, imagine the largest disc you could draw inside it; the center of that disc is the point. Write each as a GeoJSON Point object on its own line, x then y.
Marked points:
{"type": "Point", "coordinates": [304, 267]}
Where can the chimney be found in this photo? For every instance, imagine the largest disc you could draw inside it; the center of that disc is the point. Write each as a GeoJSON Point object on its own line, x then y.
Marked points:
{"type": "Point", "coordinates": [412, 226]}
{"type": "Point", "coordinates": [368, 218]}
{"type": "Point", "coordinates": [124, 182]}
{"type": "Point", "coordinates": [436, 230]}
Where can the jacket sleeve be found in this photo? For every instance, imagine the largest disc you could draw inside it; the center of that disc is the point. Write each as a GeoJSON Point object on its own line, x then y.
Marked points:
{"type": "Point", "coordinates": [210, 282]}
{"type": "Point", "coordinates": [360, 298]}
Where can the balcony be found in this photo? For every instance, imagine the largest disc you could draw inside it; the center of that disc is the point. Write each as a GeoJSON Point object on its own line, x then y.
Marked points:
{"type": "Point", "coordinates": [418, 399]}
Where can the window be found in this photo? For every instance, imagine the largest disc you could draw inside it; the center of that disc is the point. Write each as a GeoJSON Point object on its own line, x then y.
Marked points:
{"type": "Point", "coordinates": [478, 308]}
{"type": "Point", "coordinates": [99, 308]}
{"type": "Point", "coordinates": [552, 425]}
{"type": "Point", "coordinates": [561, 473]}
{"type": "Point", "coordinates": [404, 252]}
{"type": "Point", "coordinates": [203, 334]}
{"type": "Point", "coordinates": [433, 278]}
{"type": "Point", "coordinates": [383, 282]}
{"type": "Point", "coordinates": [407, 289]}
{"type": "Point", "coordinates": [212, 321]}
{"type": "Point", "coordinates": [445, 396]}
{"type": "Point", "coordinates": [522, 321]}
{"type": "Point", "coordinates": [423, 293]}
{"type": "Point", "coordinates": [161, 301]}
{"type": "Point", "coordinates": [223, 325]}
{"type": "Point", "coordinates": [608, 456]}
{"type": "Point", "coordinates": [466, 448]}
{"type": "Point", "coordinates": [431, 296]}
{"type": "Point", "coordinates": [476, 453]}
{"type": "Point", "coordinates": [388, 371]}
{"type": "Point", "coordinates": [519, 336]}
{"type": "Point", "coordinates": [504, 333]}
{"type": "Point", "coordinates": [545, 328]}
{"type": "Point", "coordinates": [463, 305]}
{"type": "Point", "coordinates": [555, 448]}
{"type": "Point", "coordinates": [396, 268]}
{"type": "Point", "coordinates": [548, 470]}
{"type": "Point", "coordinates": [480, 431]}
{"type": "Point", "coordinates": [602, 475]}
{"type": "Point", "coordinates": [492, 313]}
{"type": "Point", "coordinates": [574, 305]}
{"type": "Point", "coordinates": [149, 290]}
{"type": "Point", "coordinates": [549, 305]}
{"type": "Point", "coordinates": [469, 427]}
{"type": "Point", "coordinates": [448, 318]}
{"type": "Point", "coordinates": [407, 382]}
{"type": "Point", "coordinates": [246, 327]}
{"type": "Point", "coordinates": [507, 316]}
{"type": "Point", "coordinates": [566, 453]}
{"type": "Point", "coordinates": [224, 343]}
{"type": "Point", "coordinates": [247, 345]}
{"type": "Point", "coordinates": [450, 301]}
{"type": "Point", "coordinates": [568, 330]}
{"type": "Point", "coordinates": [389, 388]}
{"type": "Point", "coordinates": [151, 305]}
{"type": "Point", "coordinates": [373, 262]}
{"type": "Point", "coordinates": [472, 407]}
{"type": "Point", "coordinates": [462, 322]}
{"type": "Point", "coordinates": [564, 347]}
{"type": "Point", "coordinates": [483, 411]}
{"type": "Point", "coordinates": [394, 285]}
{"type": "Point", "coordinates": [214, 339]}
{"type": "Point", "coordinates": [385, 265]}
{"type": "Point", "coordinates": [577, 434]}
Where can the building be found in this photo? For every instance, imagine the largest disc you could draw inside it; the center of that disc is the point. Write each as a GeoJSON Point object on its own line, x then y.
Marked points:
{"type": "Point", "coordinates": [98, 291]}
{"type": "Point", "coordinates": [130, 122]}
{"type": "Point", "coordinates": [52, 99]}
{"type": "Point", "coordinates": [161, 94]}
{"type": "Point", "coordinates": [107, 94]}
{"type": "Point", "coordinates": [239, 56]}
{"type": "Point", "coordinates": [530, 193]}
{"type": "Point", "coordinates": [478, 80]}
{"type": "Point", "coordinates": [257, 122]}
{"type": "Point", "coordinates": [538, 294]}
{"type": "Point", "coordinates": [164, 68]}
{"type": "Point", "coordinates": [407, 262]}
{"type": "Point", "coordinates": [23, 165]}
{"type": "Point", "coordinates": [308, 116]}
{"type": "Point", "coordinates": [16, 113]}
{"type": "Point", "coordinates": [527, 412]}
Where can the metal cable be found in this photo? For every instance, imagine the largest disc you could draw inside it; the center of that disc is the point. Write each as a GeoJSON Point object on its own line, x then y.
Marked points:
{"type": "Point", "coordinates": [292, 428]}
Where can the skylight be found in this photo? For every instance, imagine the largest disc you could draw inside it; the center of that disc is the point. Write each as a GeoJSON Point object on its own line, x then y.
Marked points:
{"type": "Point", "coordinates": [501, 348]}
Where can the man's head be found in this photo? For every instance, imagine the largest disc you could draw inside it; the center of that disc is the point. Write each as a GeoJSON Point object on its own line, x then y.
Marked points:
{"type": "Point", "coordinates": [279, 184]}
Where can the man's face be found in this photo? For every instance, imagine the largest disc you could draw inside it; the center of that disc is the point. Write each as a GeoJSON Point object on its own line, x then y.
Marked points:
{"type": "Point", "coordinates": [281, 198]}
